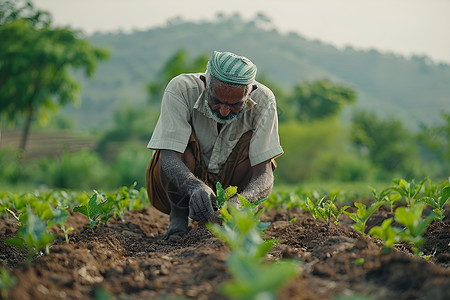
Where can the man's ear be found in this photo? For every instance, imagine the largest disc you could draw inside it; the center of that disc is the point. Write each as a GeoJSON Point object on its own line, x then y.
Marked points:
{"type": "Point", "coordinates": [203, 78]}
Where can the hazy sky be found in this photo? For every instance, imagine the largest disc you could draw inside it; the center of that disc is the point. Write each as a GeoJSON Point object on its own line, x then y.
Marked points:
{"type": "Point", "coordinates": [406, 27]}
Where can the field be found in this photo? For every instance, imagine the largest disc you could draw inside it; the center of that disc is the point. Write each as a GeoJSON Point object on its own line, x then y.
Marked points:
{"type": "Point", "coordinates": [126, 258]}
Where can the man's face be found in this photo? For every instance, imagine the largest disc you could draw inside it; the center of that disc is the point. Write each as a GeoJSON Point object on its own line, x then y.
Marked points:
{"type": "Point", "coordinates": [226, 103]}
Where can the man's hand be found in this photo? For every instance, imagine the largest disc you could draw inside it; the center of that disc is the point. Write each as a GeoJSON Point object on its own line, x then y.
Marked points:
{"type": "Point", "coordinates": [200, 204]}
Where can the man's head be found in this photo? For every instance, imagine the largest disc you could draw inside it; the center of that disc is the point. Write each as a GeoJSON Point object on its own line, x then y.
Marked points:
{"type": "Point", "coordinates": [229, 81]}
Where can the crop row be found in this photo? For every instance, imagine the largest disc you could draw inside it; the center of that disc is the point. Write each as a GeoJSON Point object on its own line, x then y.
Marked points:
{"type": "Point", "coordinates": [36, 212]}
{"type": "Point", "coordinates": [406, 201]}
{"type": "Point", "coordinates": [241, 228]}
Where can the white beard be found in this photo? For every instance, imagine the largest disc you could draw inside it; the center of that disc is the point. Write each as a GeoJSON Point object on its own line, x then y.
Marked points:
{"type": "Point", "coordinates": [229, 119]}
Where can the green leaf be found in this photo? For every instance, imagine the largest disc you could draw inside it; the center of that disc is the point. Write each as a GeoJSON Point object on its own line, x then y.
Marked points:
{"type": "Point", "coordinates": [230, 192]}
{"type": "Point", "coordinates": [430, 201]}
{"type": "Point", "coordinates": [60, 216]}
{"type": "Point", "coordinates": [94, 209]}
{"type": "Point", "coordinates": [361, 212]}
{"type": "Point", "coordinates": [311, 207]}
{"type": "Point", "coordinates": [16, 242]}
{"type": "Point", "coordinates": [244, 202]}
{"type": "Point", "coordinates": [445, 196]}
{"type": "Point", "coordinates": [221, 199]}
{"type": "Point", "coordinates": [82, 209]}
{"type": "Point", "coordinates": [385, 232]}
{"type": "Point", "coordinates": [404, 216]}
{"type": "Point", "coordinates": [43, 210]}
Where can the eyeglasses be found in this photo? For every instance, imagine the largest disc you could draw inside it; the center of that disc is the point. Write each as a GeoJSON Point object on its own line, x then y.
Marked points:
{"type": "Point", "coordinates": [216, 104]}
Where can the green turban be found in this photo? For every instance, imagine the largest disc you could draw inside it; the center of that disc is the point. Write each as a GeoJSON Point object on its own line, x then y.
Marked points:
{"type": "Point", "coordinates": [231, 68]}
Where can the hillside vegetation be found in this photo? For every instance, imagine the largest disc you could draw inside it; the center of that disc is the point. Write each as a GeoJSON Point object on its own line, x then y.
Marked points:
{"type": "Point", "coordinates": [416, 89]}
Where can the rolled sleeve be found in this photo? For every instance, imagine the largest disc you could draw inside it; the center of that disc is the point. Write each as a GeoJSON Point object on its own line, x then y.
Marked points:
{"type": "Point", "coordinates": [265, 142]}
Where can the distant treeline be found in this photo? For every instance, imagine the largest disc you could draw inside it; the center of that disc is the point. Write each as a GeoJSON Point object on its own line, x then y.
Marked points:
{"type": "Point", "coordinates": [416, 90]}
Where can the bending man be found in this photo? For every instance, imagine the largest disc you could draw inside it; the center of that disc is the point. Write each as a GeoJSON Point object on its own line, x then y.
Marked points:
{"type": "Point", "coordinates": [221, 126]}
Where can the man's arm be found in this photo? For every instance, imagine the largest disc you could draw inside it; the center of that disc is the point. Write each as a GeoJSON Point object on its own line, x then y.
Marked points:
{"type": "Point", "coordinates": [260, 184]}
{"type": "Point", "coordinates": [176, 172]}
{"type": "Point", "coordinates": [199, 195]}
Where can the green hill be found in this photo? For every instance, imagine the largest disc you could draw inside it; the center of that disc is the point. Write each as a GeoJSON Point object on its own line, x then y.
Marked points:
{"type": "Point", "coordinates": [415, 90]}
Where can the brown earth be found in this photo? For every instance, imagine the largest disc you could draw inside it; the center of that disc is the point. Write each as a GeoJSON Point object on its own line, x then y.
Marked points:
{"type": "Point", "coordinates": [129, 260]}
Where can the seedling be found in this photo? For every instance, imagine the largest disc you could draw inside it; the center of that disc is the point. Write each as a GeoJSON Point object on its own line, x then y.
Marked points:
{"type": "Point", "coordinates": [7, 282]}
{"type": "Point", "coordinates": [255, 280]}
{"type": "Point", "coordinates": [32, 234]}
{"type": "Point", "coordinates": [94, 210]}
{"type": "Point", "coordinates": [362, 215]}
{"type": "Point", "coordinates": [242, 231]}
{"type": "Point", "coordinates": [126, 199]}
{"type": "Point", "coordinates": [386, 233]}
{"type": "Point", "coordinates": [385, 195]}
{"type": "Point", "coordinates": [60, 216]}
{"type": "Point", "coordinates": [224, 195]}
{"type": "Point", "coordinates": [325, 210]}
{"type": "Point", "coordinates": [438, 202]}
{"type": "Point", "coordinates": [415, 226]}
{"type": "Point", "coordinates": [409, 190]}
{"type": "Point", "coordinates": [317, 210]}
{"type": "Point", "coordinates": [288, 200]}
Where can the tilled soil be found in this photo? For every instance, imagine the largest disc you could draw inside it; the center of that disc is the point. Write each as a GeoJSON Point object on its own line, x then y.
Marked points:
{"type": "Point", "coordinates": [129, 260]}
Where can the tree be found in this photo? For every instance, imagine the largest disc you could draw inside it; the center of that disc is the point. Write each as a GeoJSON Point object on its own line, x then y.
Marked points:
{"type": "Point", "coordinates": [386, 142]}
{"type": "Point", "coordinates": [35, 63]}
{"type": "Point", "coordinates": [435, 142]}
{"type": "Point", "coordinates": [319, 99]}
{"type": "Point", "coordinates": [174, 66]}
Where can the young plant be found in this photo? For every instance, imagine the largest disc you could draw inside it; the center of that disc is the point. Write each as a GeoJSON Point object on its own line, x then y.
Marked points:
{"type": "Point", "coordinates": [242, 231]}
{"type": "Point", "coordinates": [59, 218]}
{"type": "Point", "coordinates": [256, 280]}
{"type": "Point", "coordinates": [325, 210]}
{"type": "Point", "coordinates": [414, 224]}
{"type": "Point", "coordinates": [126, 199]}
{"type": "Point", "coordinates": [224, 195]}
{"type": "Point", "coordinates": [437, 201]}
{"type": "Point", "coordinates": [32, 234]}
{"type": "Point", "coordinates": [409, 190]}
{"type": "Point", "coordinates": [387, 233]}
{"type": "Point", "coordinates": [317, 210]}
{"type": "Point", "coordinates": [336, 213]}
{"type": "Point", "coordinates": [95, 210]}
{"type": "Point", "coordinates": [287, 200]}
{"type": "Point", "coordinates": [385, 195]}
{"type": "Point", "coordinates": [362, 215]}
{"type": "Point", "coordinates": [7, 282]}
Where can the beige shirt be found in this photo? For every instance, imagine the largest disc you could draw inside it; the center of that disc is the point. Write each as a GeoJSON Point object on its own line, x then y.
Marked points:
{"type": "Point", "coordinates": [184, 109]}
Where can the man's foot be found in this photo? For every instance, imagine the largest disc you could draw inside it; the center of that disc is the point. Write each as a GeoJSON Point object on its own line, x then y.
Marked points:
{"type": "Point", "coordinates": [178, 222]}
{"type": "Point", "coordinates": [174, 233]}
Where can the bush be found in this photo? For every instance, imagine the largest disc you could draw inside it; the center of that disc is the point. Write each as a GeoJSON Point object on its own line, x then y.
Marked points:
{"type": "Point", "coordinates": [130, 164]}
{"type": "Point", "coordinates": [12, 171]}
{"type": "Point", "coordinates": [8, 165]}
{"type": "Point", "coordinates": [80, 170]}
{"type": "Point", "coordinates": [319, 150]}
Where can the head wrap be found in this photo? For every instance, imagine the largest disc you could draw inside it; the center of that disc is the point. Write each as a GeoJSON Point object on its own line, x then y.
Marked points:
{"type": "Point", "coordinates": [231, 68]}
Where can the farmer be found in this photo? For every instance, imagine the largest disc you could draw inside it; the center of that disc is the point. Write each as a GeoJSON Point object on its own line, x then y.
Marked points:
{"type": "Point", "coordinates": [221, 126]}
